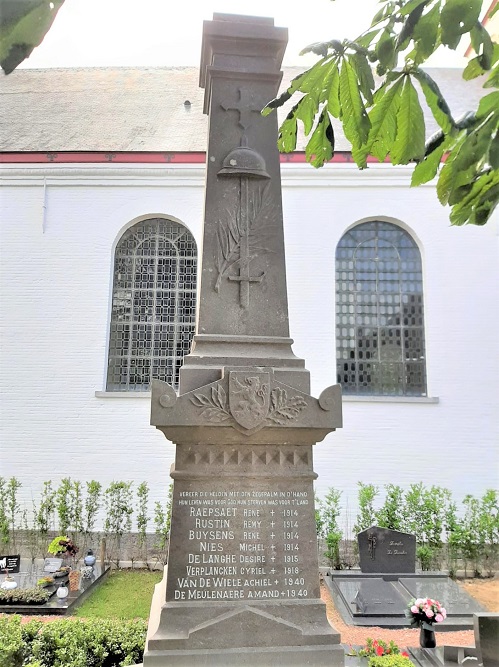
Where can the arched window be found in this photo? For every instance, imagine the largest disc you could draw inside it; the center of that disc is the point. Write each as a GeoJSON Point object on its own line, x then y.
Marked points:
{"type": "Point", "coordinates": [154, 302]}
{"type": "Point", "coordinates": [379, 312]}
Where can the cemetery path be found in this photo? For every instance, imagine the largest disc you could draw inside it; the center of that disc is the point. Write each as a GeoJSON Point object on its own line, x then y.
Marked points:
{"type": "Point", "coordinates": [485, 591]}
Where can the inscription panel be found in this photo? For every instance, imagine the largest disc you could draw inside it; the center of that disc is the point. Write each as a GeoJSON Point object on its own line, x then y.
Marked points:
{"type": "Point", "coordinates": [253, 544]}
{"type": "Point", "coordinates": [386, 551]}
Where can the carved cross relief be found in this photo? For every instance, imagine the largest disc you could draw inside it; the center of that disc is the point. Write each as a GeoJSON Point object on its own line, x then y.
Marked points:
{"type": "Point", "coordinates": [246, 106]}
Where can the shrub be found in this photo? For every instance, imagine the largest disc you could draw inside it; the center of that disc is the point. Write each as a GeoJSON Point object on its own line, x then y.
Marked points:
{"type": "Point", "coordinates": [70, 643]}
{"type": "Point", "coordinates": [390, 661]}
{"type": "Point", "coordinates": [11, 644]}
{"type": "Point", "coordinates": [24, 596]}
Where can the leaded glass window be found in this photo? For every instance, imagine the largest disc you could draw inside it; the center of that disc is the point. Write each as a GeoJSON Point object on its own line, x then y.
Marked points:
{"type": "Point", "coordinates": [379, 312]}
{"type": "Point", "coordinates": [154, 304]}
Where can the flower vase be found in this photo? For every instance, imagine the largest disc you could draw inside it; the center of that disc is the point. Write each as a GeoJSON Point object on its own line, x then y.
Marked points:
{"type": "Point", "coordinates": [427, 636]}
{"type": "Point", "coordinates": [74, 580]}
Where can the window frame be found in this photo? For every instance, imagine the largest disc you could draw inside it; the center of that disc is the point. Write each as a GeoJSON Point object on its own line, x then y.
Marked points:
{"type": "Point", "coordinates": [410, 309]}
{"type": "Point", "coordinates": [180, 322]}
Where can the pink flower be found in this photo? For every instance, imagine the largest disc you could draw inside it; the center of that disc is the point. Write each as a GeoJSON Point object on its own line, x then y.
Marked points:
{"type": "Point", "coordinates": [419, 602]}
{"type": "Point", "coordinates": [414, 609]}
{"type": "Point", "coordinates": [443, 612]}
{"type": "Point", "coordinates": [439, 618]}
{"type": "Point", "coordinates": [429, 613]}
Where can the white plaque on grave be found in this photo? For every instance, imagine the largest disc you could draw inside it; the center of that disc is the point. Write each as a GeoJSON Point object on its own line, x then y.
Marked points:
{"type": "Point", "coordinates": [52, 564]}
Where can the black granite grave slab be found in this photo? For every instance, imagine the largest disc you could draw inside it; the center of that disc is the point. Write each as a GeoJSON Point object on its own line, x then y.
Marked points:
{"type": "Point", "coordinates": [28, 576]}
{"type": "Point", "coordinates": [373, 599]}
{"type": "Point", "coordinates": [455, 600]}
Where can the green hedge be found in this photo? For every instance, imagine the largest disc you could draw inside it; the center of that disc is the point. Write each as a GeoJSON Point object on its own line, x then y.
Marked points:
{"type": "Point", "coordinates": [390, 661]}
{"type": "Point", "coordinates": [71, 643]}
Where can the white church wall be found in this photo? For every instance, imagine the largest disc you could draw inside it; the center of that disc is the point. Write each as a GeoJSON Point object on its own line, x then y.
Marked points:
{"type": "Point", "coordinates": [57, 419]}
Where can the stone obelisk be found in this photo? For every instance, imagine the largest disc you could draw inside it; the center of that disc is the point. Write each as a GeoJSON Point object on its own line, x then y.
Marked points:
{"type": "Point", "coordinates": [242, 583]}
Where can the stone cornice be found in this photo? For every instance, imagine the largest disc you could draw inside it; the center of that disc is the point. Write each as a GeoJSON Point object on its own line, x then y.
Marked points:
{"type": "Point", "coordinates": [293, 175]}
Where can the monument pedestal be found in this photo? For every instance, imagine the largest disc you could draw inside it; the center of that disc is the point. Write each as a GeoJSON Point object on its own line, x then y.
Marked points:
{"type": "Point", "coordinates": [242, 585]}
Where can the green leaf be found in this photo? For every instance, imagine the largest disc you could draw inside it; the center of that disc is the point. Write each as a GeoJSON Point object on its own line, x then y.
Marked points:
{"type": "Point", "coordinates": [427, 169]}
{"type": "Point", "coordinates": [306, 111]}
{"type": "Point", "coordinates": [322, 48]}
{"type": "Point", "coordinates": [476, 37]}
{"type": "Point", "coordinates": [493, 158]}
{"type": "Point", "coordinates": [320, 147]}
{"type": "Point", "coordinates": [487, 104]}
{"type": "Point", "coordinates": [426, 34]}
{"type": "Point", "coordinates": [385, 50]}
{"type": "Point", "coordinates": [474, 148]}
{"type": "Point", "coordinates": [410, 140]}
{"type": "Point", "coordinates": [355, 120]}
{"type": "Point", "coordinates": [303, 82]}
{"type": "Point", "coordinates": [493, 80]}
{"type": "Point", "coordinates": [383, 117]}
{"type": "Point", "coordinates": [314, 83]}
{"type": "Point", "coordinates": [411, 6]}
{"type": "Point", "coordinates": [364, 73]}
{"type": "Point", "coordinates": [445, 179]}
{"type": "Point", "coordinates": [473, 69]}
{"type": "Point", "coordinates": [487, 57]}
{"type": "Point", "coordinates": [478, 203]}
{"type": "Point", "coordinates": [435, 100]}
{"type": "Point", "coordinates": [409, 25]}
{"type": "Point", "coordinates": [333, 100]}
{"type": "Point", "coordinates": [23, 27]}
{"type": "Point", "coordinates": [330, 80]}
{"type": "Point", "coordinates": [319, 48]}
{"type": "Point", "coordinates": [481, 38]}
{"type": "Point", "coordinates": [286, 140]}
{"type": "Point", "coordinates": [458, 17]}
{"type": "Point", "coordinates": [366, 39]}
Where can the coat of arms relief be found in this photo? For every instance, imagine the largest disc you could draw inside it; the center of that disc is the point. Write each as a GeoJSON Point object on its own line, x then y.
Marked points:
{"type": "Point", "coordinates": [251, 402]}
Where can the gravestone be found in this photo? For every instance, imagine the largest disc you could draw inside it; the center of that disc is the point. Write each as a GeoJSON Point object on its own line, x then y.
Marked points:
{"type": "Point", "coordinates": [385, 550]}
{"type": "Point", "coordinates": [10, 564]}
{"type": "Point", "coordinates": [242, 584]}
{"type": "Point", "coordinates": [486, 626]}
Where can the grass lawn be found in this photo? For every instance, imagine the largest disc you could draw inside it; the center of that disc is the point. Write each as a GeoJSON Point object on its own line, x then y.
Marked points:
{"type": "Point", "coordinates": [124, 594]}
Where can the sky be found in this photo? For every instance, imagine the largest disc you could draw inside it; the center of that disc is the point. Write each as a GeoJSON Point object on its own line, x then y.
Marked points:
{"type": "Point", "coordinates": [145, 33]}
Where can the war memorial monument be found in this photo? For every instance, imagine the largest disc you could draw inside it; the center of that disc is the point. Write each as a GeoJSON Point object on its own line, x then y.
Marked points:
{"type": "Point", "coordinates": [242, 584]}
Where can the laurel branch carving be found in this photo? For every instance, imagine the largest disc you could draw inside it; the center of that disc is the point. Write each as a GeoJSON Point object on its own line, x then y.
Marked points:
{"type": "Point", "coordinates": [215, 406]}
{"type": "Point", "coordinates": [231, 231]}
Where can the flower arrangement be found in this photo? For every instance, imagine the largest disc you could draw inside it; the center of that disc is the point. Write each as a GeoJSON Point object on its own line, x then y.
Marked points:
{"type": "Point", "coordinates": [45, 581]}
{"type": "Point", "coordinates": [62, 545]}
{"type": "Point", "coordinates": [425, 611]}
{"type": "Point", "coordinates": [377, 647]}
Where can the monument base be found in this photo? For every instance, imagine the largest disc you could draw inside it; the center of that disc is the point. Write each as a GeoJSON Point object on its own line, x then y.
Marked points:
{"type": "Point", "coordinates": [314, 656]}
{"type": "Point", "coordinates": [184, 635]}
